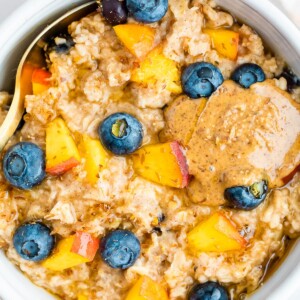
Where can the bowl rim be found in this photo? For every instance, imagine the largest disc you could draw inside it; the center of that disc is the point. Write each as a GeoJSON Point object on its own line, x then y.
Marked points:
{"type": "Point", "coordinates": [276, 17]}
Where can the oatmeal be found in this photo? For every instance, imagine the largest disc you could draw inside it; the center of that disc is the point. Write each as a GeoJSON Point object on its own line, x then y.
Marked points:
{"type": "Point", "coordinates": [158, 158]}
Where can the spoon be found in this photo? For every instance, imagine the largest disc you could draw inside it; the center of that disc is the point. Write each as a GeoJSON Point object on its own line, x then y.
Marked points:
{"type": "Point", "coordinates": [34, 58]}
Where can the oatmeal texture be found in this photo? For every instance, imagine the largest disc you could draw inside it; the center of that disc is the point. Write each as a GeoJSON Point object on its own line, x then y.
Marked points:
{"type": "Point", "coordinates": [92, 82]}
{"type": "Point", "coordinates": [5, 99]}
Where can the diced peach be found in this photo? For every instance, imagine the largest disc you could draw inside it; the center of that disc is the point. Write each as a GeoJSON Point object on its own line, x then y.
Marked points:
{"type": "Point", "coordinates": [95, 157]}
{"type": "Point", "coordinates": [38, 88]}
{"type": "Point", "coordinates": [162, 163]}
{"type": "Point", "coordinates": [158, 68]}
{"type": "Point", "coordinates": [63, 167]}
{"type": "Point", "coordinates": [138, 39]}
{"type": "Point", "coordinates": [40, 81]}
{"type": "Point", "coordinates": [41, 76]}
{"type": "Point", "coordinates": [215, 234]}
{"type": "Point", "coordinates": [82, 297]}
{"type": "Point", "coordinates": [85, 245]}
{"type": "Point", "coordinates": [61, 151]}
{"type": "Point", "coordinates": [147, 289]}
{"type": "Point", "coordinates": [26, 79]}
{"type": "Point", "coordinates": [63, 258]}
{"type": "Point", "coordinates": [289, 177]}
{"type": "Point", "coordinates": [226, 42]}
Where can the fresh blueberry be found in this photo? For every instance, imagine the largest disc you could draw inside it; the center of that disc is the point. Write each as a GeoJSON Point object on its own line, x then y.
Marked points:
{"type": "Point", "coordinates": [208, 291]}
{"type": "Point", "coordinates": [60, 44]}
{"type": "Point", "coordinates": [24, 165]}
{"type": "Point", "coordinates": [248, 74]}
{"type": "Point", "coordinates": [247, 197]}
{"type": "Point", "coordinates": [114, 11]}
{"type": "Point", "coordinates": [120, 249]}
{"type": "Point", "coordinates": [147, 11]}
{"type": "Point", "coordinates": [121, 133]}
{"type": "Point", "coordinates": [33, 241]}
{"type": "Point", "coordinates": [201, 80]}
{"type": "Point", "coordinates": [293, 80]}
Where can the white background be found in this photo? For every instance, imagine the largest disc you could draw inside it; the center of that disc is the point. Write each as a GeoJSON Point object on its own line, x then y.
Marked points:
{"type": "Point", "coordinates": [290, 7]}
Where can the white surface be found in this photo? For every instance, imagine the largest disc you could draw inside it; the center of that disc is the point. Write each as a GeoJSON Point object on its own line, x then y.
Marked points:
{"type": "Point", "coordinates": [10, 276]}
{"type": "Point", "coordinates": [8, 6]}
{"type": "Point", "coordinates": [292, 8]}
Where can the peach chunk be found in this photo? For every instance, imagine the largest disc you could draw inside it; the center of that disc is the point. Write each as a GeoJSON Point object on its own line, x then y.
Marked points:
{"type": "Point", "coordinates": [61, 151]}
{"type": "Point", "coordinates": [158, 68]}
{"type": "Point", "coordinates": [291, 175]}
{"type": "Point", "coordinates": [85, 245]}
{"type": "Point", "coordinates": [40, 81]}
{"type": "Point", "coordinates": [138, 39]}
{"type": "Point", "coordinates": [95, 157]}
{"type": "Point", "coordinates": [147, 289]}
{"type": "Point", "coordinates": [226, 42]}
{"type": "Point", "coordinates": [63, 258]}
{"type": "Point", "coordinates": [162, 163]}
{"type": "Point", "coordinates": [215, 234]}
{"type": "Point", "coordinates": [26, 78]}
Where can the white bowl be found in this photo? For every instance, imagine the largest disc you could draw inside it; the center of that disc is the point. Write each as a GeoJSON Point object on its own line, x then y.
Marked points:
{"type": "Point", "coordinates": [23, 25]}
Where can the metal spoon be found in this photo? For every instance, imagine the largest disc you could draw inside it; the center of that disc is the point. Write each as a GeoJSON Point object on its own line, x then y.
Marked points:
{"type": "Point", "coordinates": [34, 56]}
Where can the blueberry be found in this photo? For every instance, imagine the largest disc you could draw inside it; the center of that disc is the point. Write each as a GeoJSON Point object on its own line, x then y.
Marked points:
{"type": "Point", "coordinates": [293, 80]}
{"type": "Point", "coordinates": [208, 291]}
{"type": "Point", "coordinates": [24, 165]}
{"type": "Point", "coordinates": [248, 74]}
{"type": "Point", "coordinates": [201, 80]}
{"type": "Point", "coordinates": [114, 11]}
{"type": "Point", "coordinates": [33, 241]}
{"type": "Point", "coordinates": [120, 249]}
{"type": "Point", "coordinates": [60, 44]}
{"type": "Point", "coordinates": [247, 197]}
{"type": "Point", "coordinates": [147, 11]}
{"type": "Point", "coordinates": [121, 133]}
